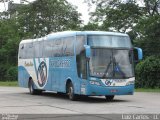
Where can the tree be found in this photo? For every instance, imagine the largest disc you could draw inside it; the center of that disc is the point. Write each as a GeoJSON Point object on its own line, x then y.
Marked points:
{"type": "Point", "coordinates": [147, 73]}
{"type": "Point", "coordinates": [31, 21]}
{"type": "Point", "coordinates": [115, 15]}
{"type": "Point", "coordinates": [91, 26]}
{"type": "Point", "coordinates": [9, 40]}
{"type": "Point", "coordinates": [149, 35]}
{"type": "Point", "coordinates": [152, 7]}
{"type": "Point", "coordinates": [45, 16]}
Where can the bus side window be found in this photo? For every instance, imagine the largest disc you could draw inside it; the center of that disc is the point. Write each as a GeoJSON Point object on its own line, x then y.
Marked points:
{"type": "Point", "coordinates": [21, 51]}
{"type": "Point", "coordinates": [29, 50]}
{"type": "Point", "coordinates": [38, 48]}
{"type": "Point", "coordinates": [80, 57]}
{"type": "Point", "coordinates": [68, 46]}
{"type": "Point", "coordinates": [26, 51]}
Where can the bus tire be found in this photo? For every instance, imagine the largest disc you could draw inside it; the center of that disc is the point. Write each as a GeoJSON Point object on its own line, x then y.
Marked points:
{"type": "Point", "coordinates": [32, 90]}
{"type": "Point", "coordinates": [109, 97]}
{"type": "Point", "coordinates": [71, 94]}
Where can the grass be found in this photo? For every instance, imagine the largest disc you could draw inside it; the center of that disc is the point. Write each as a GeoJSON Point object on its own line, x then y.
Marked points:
{"type": "Point", "coordinates": [9, 83]}
{"type": "Point", "coordinates": [147, 90]}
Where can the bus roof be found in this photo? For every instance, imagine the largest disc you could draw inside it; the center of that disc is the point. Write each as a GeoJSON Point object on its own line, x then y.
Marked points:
{"type": "Point", "coordinates": [32, 40]}
{"type": "Point", "coordinates": [72, 33]}
{"type": "Point", "coordinates": [66, 33]}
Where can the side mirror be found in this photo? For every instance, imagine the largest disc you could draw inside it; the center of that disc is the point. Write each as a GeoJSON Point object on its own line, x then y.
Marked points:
{"type": "Point", "coordinates": [138, 54]}
{"type": "Point", "coordinates": [88, 51]}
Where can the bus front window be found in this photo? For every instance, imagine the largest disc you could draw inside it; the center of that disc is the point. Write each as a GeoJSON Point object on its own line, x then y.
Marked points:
{"type": "Point", "coordinates": [100, 62]}
{"type": "Point", "coordinates": [111, 63]}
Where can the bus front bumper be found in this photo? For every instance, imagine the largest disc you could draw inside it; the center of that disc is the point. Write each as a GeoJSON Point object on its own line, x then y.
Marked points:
{"type": "Point", "coordinates": [94, 90]}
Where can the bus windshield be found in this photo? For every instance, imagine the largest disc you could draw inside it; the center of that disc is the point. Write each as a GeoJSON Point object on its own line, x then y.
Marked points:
{"type": "Point", "coordinates": [111, 63]}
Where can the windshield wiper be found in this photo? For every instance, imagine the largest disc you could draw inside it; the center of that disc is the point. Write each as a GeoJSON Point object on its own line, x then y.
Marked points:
{"type": "Point", "coordinates": [116, 68]}
{"type": "Point", "coordinates": [108, 66]}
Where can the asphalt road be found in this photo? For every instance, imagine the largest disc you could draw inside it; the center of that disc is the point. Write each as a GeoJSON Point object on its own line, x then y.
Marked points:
{"type": "Point", "coordinates": [15, 100]}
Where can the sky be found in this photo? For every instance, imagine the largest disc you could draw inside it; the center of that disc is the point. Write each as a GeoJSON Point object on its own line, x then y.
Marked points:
{"type": "Point", "coordinates": [82, 8]}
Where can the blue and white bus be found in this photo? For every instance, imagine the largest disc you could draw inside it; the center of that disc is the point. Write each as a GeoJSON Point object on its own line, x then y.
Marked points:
{"type": "Point", "coordinates": [91, 63]}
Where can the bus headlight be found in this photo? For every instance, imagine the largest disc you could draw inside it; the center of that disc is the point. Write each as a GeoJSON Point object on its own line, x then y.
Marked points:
{"type": "Point", "coordinates": [94, 83]}
{"type": "Point", "coordinates": [130, 83]}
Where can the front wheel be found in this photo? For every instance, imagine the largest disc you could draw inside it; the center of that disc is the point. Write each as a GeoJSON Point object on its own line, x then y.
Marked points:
{"type": "Point", "coordinates": [32, 90]}
{"type": "Point", "coordinates": [109, 97]}
{"type": "Point", "coordinates": [71, 94]}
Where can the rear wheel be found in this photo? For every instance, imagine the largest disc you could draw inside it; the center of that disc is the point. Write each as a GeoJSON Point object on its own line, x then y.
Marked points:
{"type": "Point", "coordinates": [32, 90]}
{"type": "Point", "coordinates": [71, 94]}
{"type": "Point", "coordinates": [109, 97]}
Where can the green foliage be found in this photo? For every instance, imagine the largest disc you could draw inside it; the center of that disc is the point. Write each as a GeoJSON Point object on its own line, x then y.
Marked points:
{"type": "Point", "coordinates": [12, 73]}
{"type": "Point", "coordinates": [148, 90]}
{"type": "Point", "coordinates": [115, 15]}
{"type": "Point", "coordinates": [152, 7]}
{"type": "Point", "coordinates": [91, 26]}
{"type": "Point", "coordinates": [147, 73]}
{"type": "Point", "coordinates": [45, 16]}
{"type": "Point", "coordinates": [149, 31]}
{"type": "Point", "coordinates": [9, 83]}
{"type": "Point", "coordinates": [31, 21]}
{"type": "Point", "coordinates": [9, 40]}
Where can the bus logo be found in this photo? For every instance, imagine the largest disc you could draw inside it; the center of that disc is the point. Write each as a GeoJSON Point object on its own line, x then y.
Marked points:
{"type": "Point", "coordinates": [42, 74]}
{"type": "Point", "coordinates": [108, 82]}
